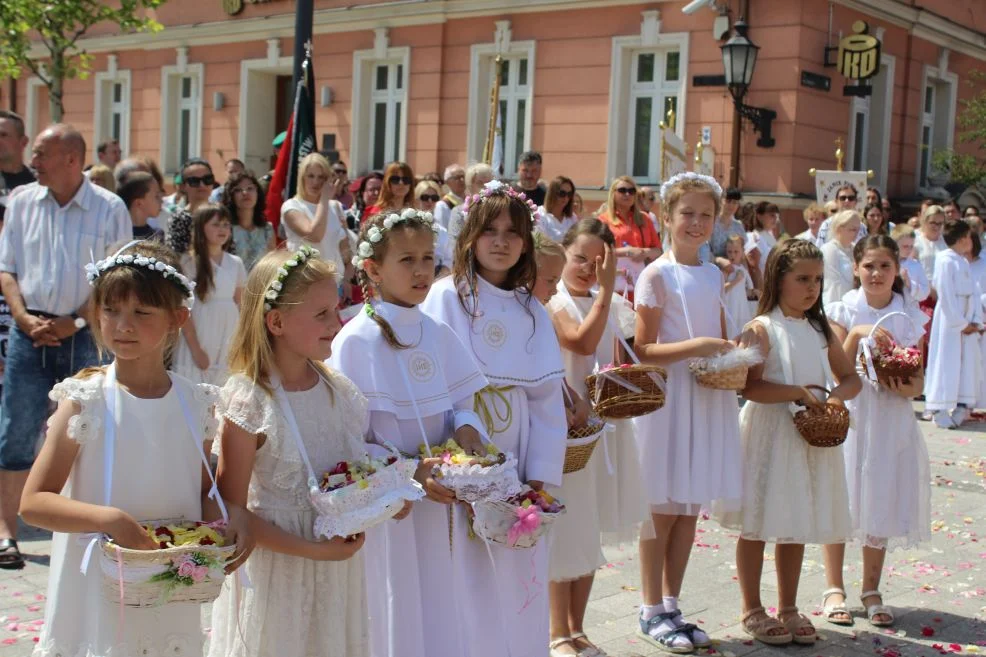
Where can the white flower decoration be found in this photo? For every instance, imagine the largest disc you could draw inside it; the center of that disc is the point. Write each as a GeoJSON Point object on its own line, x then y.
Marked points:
{"type": "Point", "coordinates": [282, 272]}
{"type": "Point", "coordinates": [277, 285]}
{"type": "Point", "coordinates": [494, 185]}
{"type": "Point", "coordinates": [94, 270]}
{"type": "Point", "coordinates": [389, 221]}
{"type": "Point", "coordinates": [293, 262]}
{"type": "Point", "coordinates": [365, 250]}
{"type": "Point", "coordinates": [374, 234]}
{"type": "Point", "coordinates": [271, 294]}
{"type": "Point", "coordinates": [409, 213]}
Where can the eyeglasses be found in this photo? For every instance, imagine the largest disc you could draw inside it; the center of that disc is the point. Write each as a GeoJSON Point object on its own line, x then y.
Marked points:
{"type": "Point", "coordinates": [429, 198]}
{"type": "Point", "coordinates": [626, 191]}
{"type": "Point", "coordinates": [245, 190]}
{"type": "Point", "coordinates": [401, 180]}
{"type": "Point", "coordinates": [847, 198]}
{"type": "Point", "coordinates": [564, 193]}
{"type": "Point", "coordinates": [197, 181]}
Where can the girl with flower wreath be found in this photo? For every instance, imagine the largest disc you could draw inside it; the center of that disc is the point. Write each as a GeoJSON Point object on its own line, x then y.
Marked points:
{"type": "Point", "coordinates": [419, 387]}
{"type": "Point", "coordinates": [887, 467]}
{"type": "Point", "coordinates": [488, 303]}
{"type": "Point", "coordinates": [124, 416]}
{"type": "Point", "coordinates": [282, 410]}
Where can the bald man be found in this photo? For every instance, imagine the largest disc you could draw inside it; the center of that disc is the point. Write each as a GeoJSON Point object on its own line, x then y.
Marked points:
{"type": "Point", "coordinates": [53, 227]}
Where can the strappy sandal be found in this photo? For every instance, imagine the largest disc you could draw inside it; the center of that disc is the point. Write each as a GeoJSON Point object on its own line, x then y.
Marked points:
{"type": "Point", "coordinates": [552, 652]}
{"type": "Point", "coordinates": [666, 640]}
{"type": "Point", "coordinates": [10, 556]}
{"type": "Point", "coordinates": [877, 610]}
{"type": "Point", "coordinates": [794, 622]}
{"type": "Point", "coordinates": [758, 624]}
{"type": "Point", "coordinates": [832, 611]}
{"type": "Point", "coordinates": [689, 630]}
{"type": "Point", "coordinates": [589, 651]}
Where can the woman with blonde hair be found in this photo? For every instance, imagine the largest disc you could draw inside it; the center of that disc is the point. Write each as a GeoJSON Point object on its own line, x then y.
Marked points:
{"type": "Point", "coordinates": [396, 193]}
{"type": "Point", "coordinates": [837, 254]}
{"type": "Point", "coordinates": [426, 196]}
{"type": "Point", "coordinates": [102, 176]}
{"type": "Point", "coordinates": [637, 242]}
{"type": "Point", "coordinates": [315, 218]}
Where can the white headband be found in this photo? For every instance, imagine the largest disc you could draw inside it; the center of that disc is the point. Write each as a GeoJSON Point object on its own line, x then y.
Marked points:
{"type": "Point", "coordinates": [690, 175]}
{"type": "Point", "coordinates": [96, 269]}
{"type": "Point", "coordinates": [375, 233]}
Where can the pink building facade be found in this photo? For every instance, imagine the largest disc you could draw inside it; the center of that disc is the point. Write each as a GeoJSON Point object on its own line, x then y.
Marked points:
{"type": "Point", "coordinates": [585, 83]}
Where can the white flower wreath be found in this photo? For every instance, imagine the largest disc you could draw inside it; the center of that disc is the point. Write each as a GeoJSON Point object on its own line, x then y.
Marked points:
{"type": "Point", "coordinates": [690, 175]}
{"type": "Point", "coordinates": [375, 233]}
{"type": "Point", "coordinates": [300, 257]}
{"type": "Point", "coordinates": [119, 259]}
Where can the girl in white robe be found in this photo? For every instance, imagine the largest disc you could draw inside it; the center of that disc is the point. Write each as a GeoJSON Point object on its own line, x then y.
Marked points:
{"type": "Point", "coordinates": [738, 287]}
{"type": "Point", "coordinates": [887, 467]}
{"type": "Point", "coordinates": [488, 304]}
{"type": "Point", "coordinates": [952, 382]}
{"type": "Point", "coordinates": [420, 371]}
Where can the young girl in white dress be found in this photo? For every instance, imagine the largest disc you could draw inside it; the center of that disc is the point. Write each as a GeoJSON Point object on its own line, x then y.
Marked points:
{"type": "Point", "coordinates": [411, 367]}
{"type": "Point", "coordinates": [689, 450]}
{"type": "Point", "coordinates": [584, 322]}
{"type": "Point", "coordinates": [219, 278]}
{"type": "Point", "coordinates": [153, 441]}
{"type": "Point", "coordinates": [488, 303]}
{"type": "Point", "coordinates": [887, 466]}
{"type": "Point", "coordinates": [793, 493]}
{"type": "Point", "coordinates": [738, 287]}
{"type": "Point", "coordinates": [308, 594]}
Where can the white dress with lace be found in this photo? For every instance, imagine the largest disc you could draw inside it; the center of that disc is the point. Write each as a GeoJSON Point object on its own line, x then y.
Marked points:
{"type": "Point", "coordinates": [297, 607]}
{"type": "Point", "coordinates": [792, 492]}
{"type": "Point", "coordinates": [157, 474]}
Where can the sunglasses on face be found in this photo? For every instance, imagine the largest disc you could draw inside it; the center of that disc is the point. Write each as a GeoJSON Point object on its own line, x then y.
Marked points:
{"type": "Point", "coordinates": [845, 199]}
{"type": "Point", "coordinates": [626, 191]}
{"type": "Point", "coordinates": [401, 180]}
{"type": "Point", "coordinates": [564, 193]}
{"type": "Point", "coordinates": [429, 198]}
{"type": "Point", "coordinates": [198, 181]}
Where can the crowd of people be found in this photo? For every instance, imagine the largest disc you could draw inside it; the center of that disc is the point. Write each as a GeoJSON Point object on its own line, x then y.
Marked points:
{"type": "Point", "coordinates": [408, 311]}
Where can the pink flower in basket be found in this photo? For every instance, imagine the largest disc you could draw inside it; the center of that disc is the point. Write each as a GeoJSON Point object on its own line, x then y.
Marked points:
{"type": "Point", "coordinates": [199, 573]}
{"type": "Point", "coordinates": [528, 521]}
{"type": "Point", "coordinates": [186, 567]}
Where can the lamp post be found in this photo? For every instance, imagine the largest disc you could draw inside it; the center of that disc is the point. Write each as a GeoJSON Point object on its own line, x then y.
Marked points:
{"type": "Point", "coordinates": [739, 58]}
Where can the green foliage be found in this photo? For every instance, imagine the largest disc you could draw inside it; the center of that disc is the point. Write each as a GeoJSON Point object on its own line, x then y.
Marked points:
{"type": "Point", "coordinates": [42, 37]}
{"type": "Point", "coordinates": [968, 168]}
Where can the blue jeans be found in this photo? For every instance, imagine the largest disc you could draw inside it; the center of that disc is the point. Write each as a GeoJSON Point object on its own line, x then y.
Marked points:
{"type": "Point", "coordinates": [30, 375]}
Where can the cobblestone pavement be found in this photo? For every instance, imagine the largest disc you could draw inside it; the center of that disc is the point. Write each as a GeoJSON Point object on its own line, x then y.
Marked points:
{"type": "Point", "coordinates": [938, 591]}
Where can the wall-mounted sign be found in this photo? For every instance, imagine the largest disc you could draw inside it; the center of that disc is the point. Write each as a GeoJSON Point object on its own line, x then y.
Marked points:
{"type": "Point", "coordinates": [233, 7]}
{"type": "Point", "coordinates": [816, 81]}
{"type": "Point", "coordinates": [858, 59]}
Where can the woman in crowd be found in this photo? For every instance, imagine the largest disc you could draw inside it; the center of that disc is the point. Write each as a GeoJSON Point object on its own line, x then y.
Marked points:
{"type": "Point", "coordinates": [555, 217]}
{"type": "Point", "coordinates": [396, 193]}
{"type": "Point", "coordinates": [637, 242]}
{"type": "Point", "coordinates": [252, 233]}
{"type": "Point", "coordinates": [367, 194]}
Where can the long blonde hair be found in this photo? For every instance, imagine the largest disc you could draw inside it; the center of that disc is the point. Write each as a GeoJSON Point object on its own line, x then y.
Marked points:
{"type": "Point", "coordinates": [252, 350]}
{"type": "Point", "coordinates": [310, 160]}
{"type": "Point", "coordinates": [636, 214]}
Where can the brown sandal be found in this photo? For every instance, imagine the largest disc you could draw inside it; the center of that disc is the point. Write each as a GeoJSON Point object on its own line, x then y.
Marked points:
{"type": "Point", "coordinates": [794, 622]}
{"type": "Point", "coordinates": [758, 624]}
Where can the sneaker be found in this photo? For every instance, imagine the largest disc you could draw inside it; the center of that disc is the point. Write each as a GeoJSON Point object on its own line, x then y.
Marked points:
{"type": "Point", "coordinates": [943, 420]}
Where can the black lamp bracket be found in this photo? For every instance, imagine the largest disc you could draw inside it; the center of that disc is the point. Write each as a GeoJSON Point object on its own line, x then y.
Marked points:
{"type": "Point", "coordinates": [761, 118]}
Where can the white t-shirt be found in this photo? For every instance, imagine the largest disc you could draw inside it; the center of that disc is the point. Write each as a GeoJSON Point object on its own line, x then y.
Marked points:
{"type": "Point", "coordinates": [335, 231]}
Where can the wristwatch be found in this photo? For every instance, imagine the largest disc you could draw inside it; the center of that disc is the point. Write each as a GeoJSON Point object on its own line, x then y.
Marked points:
{"type": "Point", "coordinates": [80, 322]}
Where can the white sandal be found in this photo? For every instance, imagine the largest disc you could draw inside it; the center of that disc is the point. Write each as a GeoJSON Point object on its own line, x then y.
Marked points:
{"type": "Point", "coordinates": [832, 611]}
{"type": "Point", "coordinates": [560, 642]}
{"type": "Point", "coordinates": [592, 650]}
{"type": "Point", "coordinates": [877, 610]}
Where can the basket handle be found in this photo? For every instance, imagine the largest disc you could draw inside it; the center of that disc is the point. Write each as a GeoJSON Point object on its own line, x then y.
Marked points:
{"type": "Point", "coordinates": [812, 386]}
{"type": "Point", "coordinates": [870, 342]}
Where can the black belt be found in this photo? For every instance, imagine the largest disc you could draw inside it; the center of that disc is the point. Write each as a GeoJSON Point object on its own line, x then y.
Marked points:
{"type": "Point", "coordinates": [43, 314]}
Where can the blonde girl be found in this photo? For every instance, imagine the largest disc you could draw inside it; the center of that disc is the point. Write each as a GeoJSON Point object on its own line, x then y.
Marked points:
{"type": "Point", "coordinates": [488, 302]}
{"type": "Point", "coordinates": [219, 278]}
{"type": "Point", "coordinates": [738, 288]}
{"type": "Point", "coordinates": [149, 426]}
{"type": "Point", "coordinates": [280, 407]}
{"type": "Point", "coordinates": [689, 450]}
{"type": "Point", "coordinates": [887, 466]}
{"type": "Point", "coordinates": [793, 493]}
{"type": "Point", "coordinates": [420, 385]}
{"type": "Point", "coordinates": [929, 241]}
{"type": "Point", "coordinates": [426, 196]}
{"type": "Point", "coordinates": [837, 252]}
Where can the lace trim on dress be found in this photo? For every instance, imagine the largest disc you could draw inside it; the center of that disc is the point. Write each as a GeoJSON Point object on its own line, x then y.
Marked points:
{"type": "Point", "coordinates": [171, 645]}
{"type": "Point", "coordinates": [87, 425]}
{"type": "Point", "coordinates": [649, 291]}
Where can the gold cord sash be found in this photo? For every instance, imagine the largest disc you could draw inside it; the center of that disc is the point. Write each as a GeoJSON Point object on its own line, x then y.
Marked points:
{"type": "Point", "coordinates": [490, 416]}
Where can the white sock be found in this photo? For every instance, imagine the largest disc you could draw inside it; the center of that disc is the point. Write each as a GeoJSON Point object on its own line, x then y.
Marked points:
{"type": "Point", "coordinates": [670, 603]}
{"type": "Point", "coordinates": [648, 612]}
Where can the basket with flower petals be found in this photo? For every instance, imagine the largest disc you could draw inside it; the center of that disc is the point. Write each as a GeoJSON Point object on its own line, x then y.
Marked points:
{"type": "Point", "coordinates": [474, 478]}
{"type": "Point", "coordinates": [518, 522]}
{"type": "Point", "coordinates": [188, 566]}
{"type": "Point", "coordinates": [891, 360]}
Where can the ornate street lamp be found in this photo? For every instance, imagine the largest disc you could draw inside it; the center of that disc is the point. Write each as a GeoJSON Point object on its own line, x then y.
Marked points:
{"type": "Point", "coordinates": [739, 58]}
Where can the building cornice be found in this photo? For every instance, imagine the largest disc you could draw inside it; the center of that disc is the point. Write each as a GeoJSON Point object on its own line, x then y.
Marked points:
{"type": "Point", "coordinates": [924, 25]}
{"type": "Point", "coordinates": [400, 13]}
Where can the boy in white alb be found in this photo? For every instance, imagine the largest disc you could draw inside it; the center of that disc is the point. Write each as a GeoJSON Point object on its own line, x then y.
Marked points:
{"type": "Point", "coordinates": [952, 381]}
{"type": "Point", "coordinates": [916, 282]}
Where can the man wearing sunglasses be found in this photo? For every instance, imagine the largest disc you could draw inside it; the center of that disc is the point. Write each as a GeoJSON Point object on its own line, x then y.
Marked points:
{"type": "Point", "coordinates": [196, 184]}
{"type": "Point", "coordinates": [845, 199]}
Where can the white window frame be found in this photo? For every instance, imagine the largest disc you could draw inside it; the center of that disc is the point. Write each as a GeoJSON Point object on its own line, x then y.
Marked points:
{"type": "Point", "coordinates": [106, 107]}
{"type": "Point", "coordinates": [618, 155]}
{"type": "Point", "coordinates": [31, 127]}
{"type": "Point", "coordinates": [481, 71]}
{"type": "Point", "coordinates": [658, 90]}
{"type": "Point", "coordinates": [391, 97]}
{"type": "Point", "coordinates": [364, 72]}
{"type": "Point", "coordinates": [171, 106]}
{"type": "Point", "coordinates": [864, 105]}
{"type": "Point", "coordinates": [944, 83]}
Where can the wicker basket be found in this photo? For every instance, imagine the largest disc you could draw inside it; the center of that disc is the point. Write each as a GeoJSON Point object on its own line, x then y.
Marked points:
{"type": "Point", "coordinates": [615, 401]}
{"type": "Point", "coordinates": [142, 574]}
{"type": "Point", "coordinates": [732, 379]}
{"type": "Point", "coordinates": [493, 521]}
{"type": "Point", "coordinates": [581, 443]}
{"type": "Point", "coordinates": [824, 426]}
{"type": "Point", "coordinates": [885, 371]}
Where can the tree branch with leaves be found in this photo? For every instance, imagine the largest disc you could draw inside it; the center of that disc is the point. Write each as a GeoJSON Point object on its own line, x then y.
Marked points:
{"type": "Point", "coordinates": [968, 168]}
{"type": "Point", "coordinates": [57, 26]}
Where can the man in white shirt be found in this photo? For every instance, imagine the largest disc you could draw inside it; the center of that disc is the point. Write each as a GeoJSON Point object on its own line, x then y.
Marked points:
{"type": "Point", "coordinates": [53, 228]}
{"type": "Point", "coordinates": [455, 180]}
